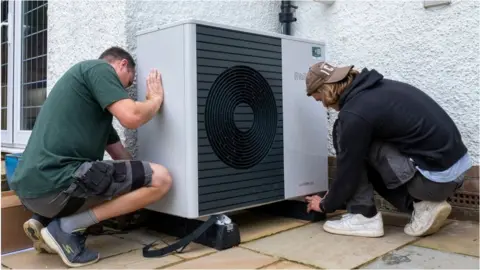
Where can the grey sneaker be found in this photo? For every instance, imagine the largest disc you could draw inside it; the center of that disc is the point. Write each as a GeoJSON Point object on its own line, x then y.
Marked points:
{"type": "Point", "coordinates": [70, 246]}
{"type": "Point", "coordinates": [427, 218]}
{"type": "Point", "coordinates": [32, 228]}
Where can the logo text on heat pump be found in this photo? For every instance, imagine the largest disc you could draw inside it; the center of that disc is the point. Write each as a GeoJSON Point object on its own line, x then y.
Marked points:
{"type": "Point", "coordinates": [299, 76]}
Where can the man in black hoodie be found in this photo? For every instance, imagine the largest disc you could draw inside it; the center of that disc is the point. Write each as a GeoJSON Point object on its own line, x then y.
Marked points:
{"type": "Point", "coordinates": [392, 138]}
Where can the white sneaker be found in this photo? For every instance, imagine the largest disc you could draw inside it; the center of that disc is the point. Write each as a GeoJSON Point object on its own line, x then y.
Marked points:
{"type": "Point", "coordinates": [427, 218]}
{"type": "Point", "coordinates": [356, 225]}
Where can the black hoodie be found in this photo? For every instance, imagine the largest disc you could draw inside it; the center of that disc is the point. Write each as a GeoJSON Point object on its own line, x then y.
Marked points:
{"type": "Point", "coordinates": [374, 108]}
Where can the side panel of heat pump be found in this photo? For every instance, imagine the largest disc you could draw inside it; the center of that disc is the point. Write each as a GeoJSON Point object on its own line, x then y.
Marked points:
{"type": "Point", "coordinates": [240, 119]}
{"type": "Point", "coordinates": [163, 139]}
{"type": "Point", "coordinates": [305, 122]}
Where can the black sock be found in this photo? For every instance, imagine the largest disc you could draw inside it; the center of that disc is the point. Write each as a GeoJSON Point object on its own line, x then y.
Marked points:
{"type": "Point", "coordinates": [370, 214]}
{"type": "Point", "coordinates": [44, 220]}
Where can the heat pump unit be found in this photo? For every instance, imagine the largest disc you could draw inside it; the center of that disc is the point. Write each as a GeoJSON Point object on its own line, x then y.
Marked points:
{"type": "Point", "coordinates": [236, 129]}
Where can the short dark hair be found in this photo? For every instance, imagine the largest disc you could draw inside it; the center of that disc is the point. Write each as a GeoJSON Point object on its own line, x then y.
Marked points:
{"type": "Point", "coordinates": [117, 53]}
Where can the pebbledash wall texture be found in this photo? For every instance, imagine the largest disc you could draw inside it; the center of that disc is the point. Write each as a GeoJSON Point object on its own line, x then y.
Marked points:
{"type": "Point", "coordinates": [435, 49]}
{"type": "Point", "coordinates": [79, 30]}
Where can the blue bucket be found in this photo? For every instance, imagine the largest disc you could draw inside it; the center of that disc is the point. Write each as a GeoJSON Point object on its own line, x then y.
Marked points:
{"type": "Point", "coordinates": [11, 162]}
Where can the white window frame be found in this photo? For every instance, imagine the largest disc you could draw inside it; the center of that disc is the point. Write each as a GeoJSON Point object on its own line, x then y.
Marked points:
{"type": "Point", "coordinates": [14, 136]}
{"type": "Point", "coordinates": [7, 135]}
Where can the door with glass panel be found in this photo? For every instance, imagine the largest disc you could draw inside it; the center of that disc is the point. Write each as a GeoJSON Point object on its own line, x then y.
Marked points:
{"type": "Point", "coordinates": [24, 68]}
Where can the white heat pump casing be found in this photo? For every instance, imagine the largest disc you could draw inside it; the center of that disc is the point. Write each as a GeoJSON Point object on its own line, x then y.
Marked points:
{"type": "Point", "coordinates": [171, 137]}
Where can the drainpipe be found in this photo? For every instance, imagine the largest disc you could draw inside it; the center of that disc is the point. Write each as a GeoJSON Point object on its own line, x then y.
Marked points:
{"type": "Point", "coordinates": [286, 16]}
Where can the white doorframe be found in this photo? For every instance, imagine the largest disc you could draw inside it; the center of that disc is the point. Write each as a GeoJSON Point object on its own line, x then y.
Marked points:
{"type": "Point", "coordinates": [7, 135]}
{"type": "Point", "coordinates": [20, 137]}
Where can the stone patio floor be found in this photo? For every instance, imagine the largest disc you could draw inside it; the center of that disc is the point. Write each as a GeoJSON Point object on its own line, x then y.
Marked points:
{"type": "Point", "coordinates": [283, 243]}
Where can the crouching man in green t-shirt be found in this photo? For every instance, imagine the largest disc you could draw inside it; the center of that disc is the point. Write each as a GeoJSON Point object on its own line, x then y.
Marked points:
{"type": "Point", "coordinates": [62, 177]}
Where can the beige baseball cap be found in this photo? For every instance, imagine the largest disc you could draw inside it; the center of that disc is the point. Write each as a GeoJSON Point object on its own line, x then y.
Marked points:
{"type": "Point", "coordinates": [321, 73]}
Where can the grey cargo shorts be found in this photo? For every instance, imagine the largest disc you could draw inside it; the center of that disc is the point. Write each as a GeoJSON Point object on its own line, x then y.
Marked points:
{"type": "Point", "coordinates": [94, 183]}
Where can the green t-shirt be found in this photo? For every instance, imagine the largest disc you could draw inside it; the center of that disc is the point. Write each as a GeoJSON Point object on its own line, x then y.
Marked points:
{"type": "Point", "coordinates": [73, 126]}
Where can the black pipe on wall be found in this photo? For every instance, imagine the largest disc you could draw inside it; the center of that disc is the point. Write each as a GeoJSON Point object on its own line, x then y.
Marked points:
{"type": "Point", "coordinates": [286, 16]}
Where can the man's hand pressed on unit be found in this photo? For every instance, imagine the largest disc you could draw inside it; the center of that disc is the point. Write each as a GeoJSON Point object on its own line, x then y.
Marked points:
{"type": "Point", "coordinates": [155, 86]}
{"type": "Point", "coordinates": [133, 114]}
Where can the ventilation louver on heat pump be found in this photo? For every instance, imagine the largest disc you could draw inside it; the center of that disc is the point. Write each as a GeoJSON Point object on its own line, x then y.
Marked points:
{"type": "Point", "coordinates": [236, 129]}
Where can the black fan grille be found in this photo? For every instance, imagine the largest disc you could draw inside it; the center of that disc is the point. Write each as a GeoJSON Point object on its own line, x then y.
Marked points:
{"type": "Point", "coordinates": [240, 148]}
{"type": "Point", "coordinates": [227, 176]}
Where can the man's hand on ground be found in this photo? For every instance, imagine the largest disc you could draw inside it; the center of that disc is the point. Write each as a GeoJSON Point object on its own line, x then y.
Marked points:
{"type": "Point", "coordinates": [155, 86]}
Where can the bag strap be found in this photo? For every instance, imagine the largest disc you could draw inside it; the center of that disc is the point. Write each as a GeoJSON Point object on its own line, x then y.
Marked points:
{"type": "Point", "coordinates": [182, 243]}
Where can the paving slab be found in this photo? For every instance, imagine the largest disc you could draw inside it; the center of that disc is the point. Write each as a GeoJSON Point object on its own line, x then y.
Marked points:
{"type": "Point", "coordinates": [145, 237]}
{"type": "Point", "coordinates": [106, 245]}
{"type": "Point", "coordinates": [142, 236]}
{"type": "Point", "coordinates": [233, 258]}
{"type": "Point", "coordinates": [311, 245]}
{"type": "Point", "coordinates": [193, 250]}
{"type": "Point", "coordinates": [257, 225]}
{"type": "Point", "coordinates": [31, 260]}
{"type": "Point", "coordinates": [133, 260]}
{"type": "Point", "coordinates": [458, 237]}
{"type": "Point", "coordinates": [413, 257]}
{"type": "Point", "coordinates": [287, 265]}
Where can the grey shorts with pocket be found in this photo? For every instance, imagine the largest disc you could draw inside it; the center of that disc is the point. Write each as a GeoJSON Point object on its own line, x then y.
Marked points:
{"type": "Point", "coordinates": [94, 183]}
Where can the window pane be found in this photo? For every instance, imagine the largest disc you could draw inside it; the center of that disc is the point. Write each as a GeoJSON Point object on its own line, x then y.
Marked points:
{"type": "Point", "coordinates": [4, 119]}
{"type": "Point", "coordinates": [4, 10]}
{"type": "Point", "coordinates": [34, 61]}
{"type": "Point", "coordinates": [4, 65]}
{"type": "Point", "coordinates": [29, 117]}
{"type": "Point", "coordinates": [4, 87]}
{"type": "Point", "coordinates": [34, 93]}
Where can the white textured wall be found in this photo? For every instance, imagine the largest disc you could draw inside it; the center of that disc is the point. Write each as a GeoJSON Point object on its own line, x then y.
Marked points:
{"type": "Point", "coordinates": [80, 30]}
{"type": "Point", "coordinates": [435, 49]}
{"type": "Point", "coordinates": [260, 15]}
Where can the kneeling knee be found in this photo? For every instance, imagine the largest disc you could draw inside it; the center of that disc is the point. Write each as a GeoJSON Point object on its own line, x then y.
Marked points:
{"type": "Point", "coordinates": [161, 177]}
